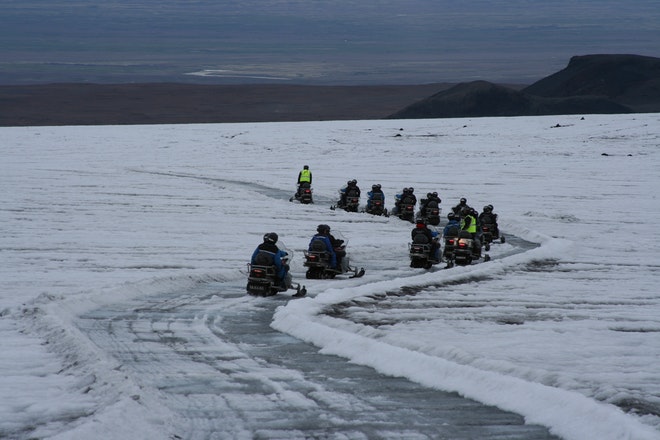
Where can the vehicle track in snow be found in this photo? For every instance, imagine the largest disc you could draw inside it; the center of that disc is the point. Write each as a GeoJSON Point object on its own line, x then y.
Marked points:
{"type": "Point", "coordinates": [211, 356]}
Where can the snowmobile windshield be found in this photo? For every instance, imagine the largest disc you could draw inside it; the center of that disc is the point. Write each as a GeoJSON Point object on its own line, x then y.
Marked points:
{"type": "Point", "coordinates": [339, 236]}
{"type": "Point", "coordinates": [281, 246]}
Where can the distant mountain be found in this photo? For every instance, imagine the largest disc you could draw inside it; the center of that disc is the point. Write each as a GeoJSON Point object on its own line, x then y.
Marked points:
{"type": "Point", "coordinates": [589, 84]}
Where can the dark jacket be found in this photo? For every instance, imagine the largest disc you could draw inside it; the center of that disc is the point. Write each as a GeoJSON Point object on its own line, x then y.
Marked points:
{"type": "Point", "coordinates": [274, 255]}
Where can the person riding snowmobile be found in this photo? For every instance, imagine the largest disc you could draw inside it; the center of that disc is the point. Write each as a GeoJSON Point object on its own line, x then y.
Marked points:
{"type": "Point", "coordinates": [488, 217]}
{"type": "Point", "coordinates": [407, 194]}
{"type": "Point", "coordinates": [462, 204]}
{"type": "Point", "coordinates": [431, 236]}
{"type": "Point", "coordinates": [268, 254]}
{"type": "Point", "coordinates": [351, 189]}
{"type": "Point", "coordinates": [375, 189]}
{"type": "Point", "coordinates": [332, 245]}
{"type": "Point", "coordinates": [452, 227]}
{"type": "Point", "coordinates": [304, 176]}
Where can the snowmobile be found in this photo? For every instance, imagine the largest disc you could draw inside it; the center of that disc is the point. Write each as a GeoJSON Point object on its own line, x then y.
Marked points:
{"type": "Point", "coordinates": [420, 252]}
{"type": "Point", "coordinates": [377, 205]}
{"type": "Point", "coordinates": [263, 279]}
{"type": "Point", "coordinates": [351, 203]}
{"type": "Point", "coordinates": [467, 249]}
{"type": "Point", "coordinates": [431, 213]}
{"type": "Point", "coordinates": [304, 194]}
{"type": "Point", "coordinates": [490, 233]}
{"type": "Point", "coordinates": [406, 209]}
{"type": "Point", "coordinates": [317, 261]}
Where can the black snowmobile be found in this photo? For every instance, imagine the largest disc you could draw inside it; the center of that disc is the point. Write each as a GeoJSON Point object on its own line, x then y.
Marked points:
{"type": "Point", "coordinates": [420, 252]}
{"type": "Point", "coordinates": [318, 261]}
{"type": "Point", "coordinates": [304, 194]}
{"type": "Point", "coordinates": [467, 249]}
{"type": "Point", "coordinates": [377, 205]}
{"type": "Point", "coordinates": [263, 279]}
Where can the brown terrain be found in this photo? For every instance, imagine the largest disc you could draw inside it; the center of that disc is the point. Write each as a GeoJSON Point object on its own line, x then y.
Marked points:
{"type": "Point", "coordinates": [590, 84]}
{"type": "Point", "coordinates": [162, 103]}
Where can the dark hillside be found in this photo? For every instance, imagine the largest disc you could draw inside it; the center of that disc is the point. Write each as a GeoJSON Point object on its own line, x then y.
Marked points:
{"type": "Point", "coordinates": [631, 80]}
{"type": "Point", "coordinates": [589, 84]}
{"type": "Point", "coordinates": [481, 98]}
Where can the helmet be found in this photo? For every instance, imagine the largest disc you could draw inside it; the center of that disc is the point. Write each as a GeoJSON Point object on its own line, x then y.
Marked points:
{"type": "Point", "coordinates": [406, 190]}
{"type": "Point", "coordinates": [306, 167]}
{"type": "Point", "coordinates": [435, 194]}
{"type": "Point", "coordinates": [349, 182]}
{"type": "Point", "coordinates": [429, 195]}
{"type": "Point", "coordinates": [374, 187]}
{"type": "Point", "coordinates": [270, 237]}
{"type": "Point", "coordinates": [323, 229]}
{"type": "Point", "coordinates": [463, 200]}
{"type": "Point", "coordinates": [451, 216]}
{"type": "Point", "coordinates": [490, 207]}
{"type": "Point", "coordinates": [420, 222]}
{"type": "Point", "coordinates": [354, 182]}
{"type": "Point", "coordinates": [411, 189]}
{"type": "Point", "coordinates": [465, 211]}
{"type": "Point", "coordinates": [487, 208]}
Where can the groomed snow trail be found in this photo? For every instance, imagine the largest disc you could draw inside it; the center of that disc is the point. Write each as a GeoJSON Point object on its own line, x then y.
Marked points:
{"type": "Point", "coordinates": [210, 354]}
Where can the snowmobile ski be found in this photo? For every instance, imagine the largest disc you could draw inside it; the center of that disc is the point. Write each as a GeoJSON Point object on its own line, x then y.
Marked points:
{"type": "Point", "coordinates": [358, 273]}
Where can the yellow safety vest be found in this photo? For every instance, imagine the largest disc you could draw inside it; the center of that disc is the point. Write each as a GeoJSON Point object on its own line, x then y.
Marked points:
{"type": "Point", "coordinates": [305, 176]}
{"type": "Point", "coordinates": [472, 228]}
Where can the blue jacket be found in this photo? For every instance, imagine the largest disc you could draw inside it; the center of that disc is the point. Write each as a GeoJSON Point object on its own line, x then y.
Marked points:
{"type": "Point", "coordinates": [328, 246]}
{"type": "Point", "coordinates": [452, 223]}
{"type": "Point", "coordinates": [370, 196]}
{"type": "Point", "coordinates": [276, 258]}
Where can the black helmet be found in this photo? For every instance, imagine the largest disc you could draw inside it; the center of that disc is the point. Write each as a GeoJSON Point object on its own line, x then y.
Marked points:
{"type": "Point", "coordinates": [354, 182]}
{"type": "Point", "coordinates": [306, 167]}
{"type": "Point", "coordinates": [487, 208]}
{"type": "Point", "coordinates": [490, 207]}
{"type": "Point", "coordinates": [374, 187]}
{"type": "Point", "coordinates": [420, 222]}
{"type": "Point", "coordinates": [323, 229]}
{"type": "Point", "coordinates": [435, 194]}
{"type": "Point", "coordinates": [411, 189]}
{"type": "Point", "coordinates": [349, 182]}
{"type": "Point", "coordinates": [270, 237]}
{"type": "Point", "coordinates": [463, 200]}
{"type": "Point", "coordinates": [451, 216]}
{"type": "Point", "coordinates": [429, 195]}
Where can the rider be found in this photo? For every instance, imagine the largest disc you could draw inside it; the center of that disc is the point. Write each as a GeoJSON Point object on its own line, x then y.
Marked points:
{"type": "Point", "coordinates": [304, 176]}
{"type": "Point", "coordinates": [431, 236]}
{"type": "Point", "coordinates": [469, 224]}
{"type": "Point", "coordinates": [488, 217]}
{"type": "Point", "coordinates": [406, 193]}
{"type": "Point", "coordinates": [350, 188]}
{"type": "Point", "coordinates": [453, 225]}
{"type": "Point", "coordinates": [430, 197]}
{"type": "Point", "coordinates": [461, 205]}
{"type": "Point", "coordinates": [332, 245]}
{"type": "Point", "coordinates": [268, 254]}
{"type": "Point", "coordinates": [375, 189]}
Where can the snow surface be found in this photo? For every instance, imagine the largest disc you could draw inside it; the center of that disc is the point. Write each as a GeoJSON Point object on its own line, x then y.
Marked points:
{"type": "Point", "coordinates": [564, 333]}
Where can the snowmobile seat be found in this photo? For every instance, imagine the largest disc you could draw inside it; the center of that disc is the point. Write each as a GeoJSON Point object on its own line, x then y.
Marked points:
{"type": "Point", "coordinates": [318, 246]}
{"type": "Point", "coordinates": [421, 239]}
{"type": "Point", "coordinates": [264, 259]}
{"type": "Point", "coordinates": [464, 234]}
